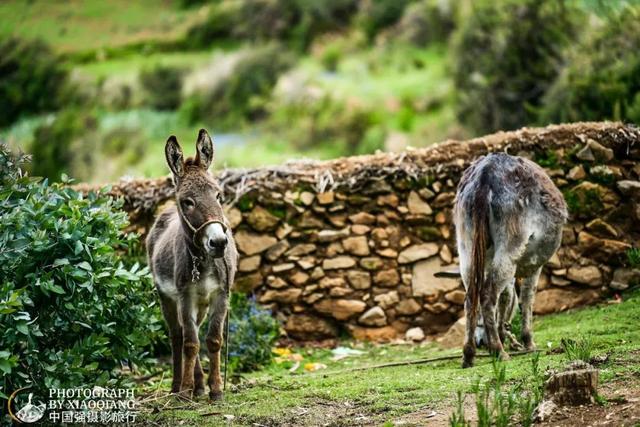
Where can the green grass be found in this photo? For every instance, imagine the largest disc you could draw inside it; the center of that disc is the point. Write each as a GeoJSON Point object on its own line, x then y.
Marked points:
{"type": "Point", "coordinates": [274, 396]}
{"type": "Point", "coordinates": [386, 77]}
{"type": "Point", "coordinates": [131, 65]}
{"type": "Point", "coordinates": [78, 25]}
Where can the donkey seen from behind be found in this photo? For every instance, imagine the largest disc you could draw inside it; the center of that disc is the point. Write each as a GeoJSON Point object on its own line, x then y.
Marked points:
{"type": "Point", "coordinates": [509, 217]}
{"type": "Point", "coordinates": [193, 260]}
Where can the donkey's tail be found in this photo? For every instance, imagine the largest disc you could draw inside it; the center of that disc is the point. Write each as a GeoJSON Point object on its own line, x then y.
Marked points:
{"type": "Point", "coordinates": [480, 209]}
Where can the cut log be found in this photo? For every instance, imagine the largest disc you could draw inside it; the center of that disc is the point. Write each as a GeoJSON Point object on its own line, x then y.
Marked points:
{"type": "Point", "coordinates": [576, 386]}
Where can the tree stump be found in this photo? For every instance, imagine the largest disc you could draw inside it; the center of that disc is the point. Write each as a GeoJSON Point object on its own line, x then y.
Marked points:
{"type": "Point", "coordinates": [576, 386]}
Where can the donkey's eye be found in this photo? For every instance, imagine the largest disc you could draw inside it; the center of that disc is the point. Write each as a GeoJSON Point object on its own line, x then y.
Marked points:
{"type": "Point", "coordinates": [219, 197]}
{"type": "Point", "coordinates": [188, 204]}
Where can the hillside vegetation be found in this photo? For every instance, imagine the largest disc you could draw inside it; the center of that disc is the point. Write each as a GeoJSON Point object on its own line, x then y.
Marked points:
{"type": "Point", "coordinates": [276, 79]}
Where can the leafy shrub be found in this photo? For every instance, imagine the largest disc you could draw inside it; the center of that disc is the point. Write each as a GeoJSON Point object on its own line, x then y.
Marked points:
{"type": "Point", "coordinates": [427, 21]}
{"type": "Point", "coordinates": [332, 55]}
{"type": "Point", "coordinates": [219, 24]}
{"type": "Point", "coordinates": [506, 56]}
{"type": "Point", "coordinates": [375, 15]}
{"type": "Point", "coordinates": [73, 312]}
{"type": "Point", "coordinates": [56, 148]}
{"type": "Point", "coordinates": [162, 86]}
{"type": "Point", "coordinates": [33, 79]}
{"type": "Point", "coordinates": [253, 332]}
{"type": "Point", "coordinates": [602, 77]}
{"type": "Point", "coordinates": [243, 95]}
{"type": "Point", "coordinates": [330, 122]}
{"type": "Point", "coordinates": [297, 21]}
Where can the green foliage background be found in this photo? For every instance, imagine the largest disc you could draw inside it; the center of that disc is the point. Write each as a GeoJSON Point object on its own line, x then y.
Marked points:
{"type": "Point", "coordinates": [276, 79]}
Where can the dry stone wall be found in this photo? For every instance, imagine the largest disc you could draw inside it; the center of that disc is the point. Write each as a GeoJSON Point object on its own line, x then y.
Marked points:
{"type": "Point", "coordinates": [355, 244]}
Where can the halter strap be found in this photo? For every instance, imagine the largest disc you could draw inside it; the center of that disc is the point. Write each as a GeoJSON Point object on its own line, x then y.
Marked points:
{"type": "Point", "coordinates": [196, 231]}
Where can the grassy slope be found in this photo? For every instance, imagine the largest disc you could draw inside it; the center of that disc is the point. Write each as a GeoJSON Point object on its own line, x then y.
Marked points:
{"type": "Point", "coordinates": [78, 25]}
{"type": "Point", "coordinates": [274, 397]}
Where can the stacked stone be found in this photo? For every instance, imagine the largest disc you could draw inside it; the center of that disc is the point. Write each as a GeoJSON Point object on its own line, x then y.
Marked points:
{"type": "Point", "coordinates": [603, 194]}
{"type": "Point", "coordinates": [366, 260]}
{"type": "Point", "coordinates": [363, 257]}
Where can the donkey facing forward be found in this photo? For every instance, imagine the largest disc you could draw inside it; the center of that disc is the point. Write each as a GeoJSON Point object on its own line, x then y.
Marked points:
{"type": "Point", "coordinates": [193, 260]}
{"type": "Point", "coordinates": [509, 217]}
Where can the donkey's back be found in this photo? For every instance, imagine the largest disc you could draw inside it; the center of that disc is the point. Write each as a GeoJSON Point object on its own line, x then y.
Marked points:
{"type": "Point", "coordinates": [524, 209]}
{"type": "Point", "coordinates": [509, 217]}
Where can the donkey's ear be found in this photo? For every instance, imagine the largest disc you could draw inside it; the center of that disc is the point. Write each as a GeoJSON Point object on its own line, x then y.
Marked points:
{"type": "Point", "coordinates": [204, 149]}
{"type": "Point", "coordinates": [173, 152]}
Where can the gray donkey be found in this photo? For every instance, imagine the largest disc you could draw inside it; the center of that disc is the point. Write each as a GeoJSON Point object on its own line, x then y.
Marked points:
{"type": "Point", "coordinates": [193, 260]}
{"type": "Point", "coordinates": [509, 217]}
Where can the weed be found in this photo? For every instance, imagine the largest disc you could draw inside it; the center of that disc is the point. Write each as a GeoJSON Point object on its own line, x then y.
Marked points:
{"type": "Point", "coordinates": [633, 256]}
{"type": "Point", "coordinates": [497, 404]}
{"type": "Point", "coordinates": [547, 159]}
{"type": "Point", "coordinates": [583, 203]}
{"type": "Point", "coordinates": [457, 418]}
{"type": "Point", "coordinates": [579, 349]}
{"type": "Point", "coordinates": [601, 400]}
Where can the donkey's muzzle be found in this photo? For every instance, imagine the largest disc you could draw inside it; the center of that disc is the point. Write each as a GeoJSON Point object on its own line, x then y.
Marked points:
{"type": "Point", "coordinates": [215, 239]}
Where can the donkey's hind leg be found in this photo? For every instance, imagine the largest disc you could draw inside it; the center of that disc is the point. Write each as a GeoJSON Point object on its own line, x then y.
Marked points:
{"type": "Point", "coordinates": [469, 348]}
{"type": "Point", "coordinates": [170, 313]}
{"type": "Point", "coordinates": [500, 276]}
{"type": "Point", "coordinates": [506, 309]}
{"type": "Point", "coordinates": [218, 312]}
{"type": "Point", "coordinates": [527, 293]}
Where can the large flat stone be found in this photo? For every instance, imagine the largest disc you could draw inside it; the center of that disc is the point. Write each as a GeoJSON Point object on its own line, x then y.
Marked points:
{"type": "Point", "coordinates": [341, 309]}
{"type": "Point", "coordinates": [251, 243]}
{"type": "Point", "coordinates": [553, 299]}
{"type": "Point", "coordinates": [424, 282]}
{"type": "Point", "coordinates": [417, 252]}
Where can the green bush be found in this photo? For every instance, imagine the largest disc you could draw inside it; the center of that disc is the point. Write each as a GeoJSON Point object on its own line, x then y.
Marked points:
{"type": "Point", "coordinates": [427, 21]}
{"type": "Point", "coordinates": [73, 310]}
{"type": "Point", "coordinates": [57, 149]}
{"type": "Point", "coordinates": [253, 332]}
{"type": "Point", "coordinates": [506, 56]}
{"type": "Point", "coordinates": [296, 21]}
{"type": "Point", "coordinates": [348, 129]}
{"type": "Point", "coordinates": [33, 79]}
{"type": "Point", "coordinates": [219, 24]}
{"type": "Point", "coordinates": [162, 86]}
{"type": "Point", "coordinates": [602, 78]}
{"type": "Point", "coordinates": [244, 94]}
{"type": "Point", "coordinates": [375, 15]}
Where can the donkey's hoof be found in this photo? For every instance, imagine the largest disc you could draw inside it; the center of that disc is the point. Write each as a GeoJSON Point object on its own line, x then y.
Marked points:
{"type": "Point", "coordinates": [467, 364]}
{"type": "Point", "coordinates": [504, 356]}
{"type": "Point", "coordinates": [199, 391]}
{"type": "Point", "coordinates": [216, 395]}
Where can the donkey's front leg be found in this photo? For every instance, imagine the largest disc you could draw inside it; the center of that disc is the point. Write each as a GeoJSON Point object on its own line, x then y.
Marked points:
{"type": "Point", "coordinates": [170, 312]}
{"type": "Point", "coordinates": [214, 344]}
{"type": "Point", "coordinates": [190, 345]}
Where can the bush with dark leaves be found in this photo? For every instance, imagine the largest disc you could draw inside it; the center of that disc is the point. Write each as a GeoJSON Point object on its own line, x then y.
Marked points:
{"type": "Point", "coordinates": [33, 79]}
{"type": "Point", "coordinates": [602, 77]}
{"type": "Point", "coordinates": [507, 54]}
{"type": "Point", "coordinates": [73, 310]}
